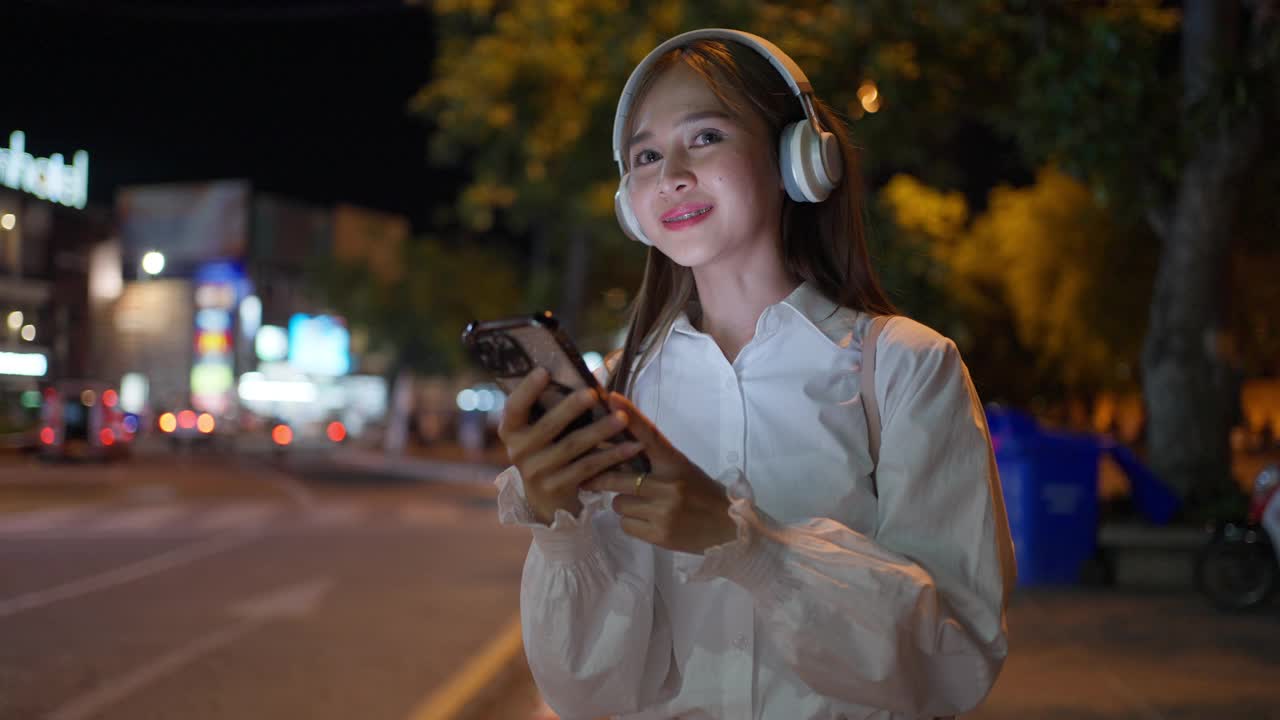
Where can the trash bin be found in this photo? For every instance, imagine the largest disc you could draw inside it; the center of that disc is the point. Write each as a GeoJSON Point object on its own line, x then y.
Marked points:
{"type": "Point", "coordinates": [1050, 482]}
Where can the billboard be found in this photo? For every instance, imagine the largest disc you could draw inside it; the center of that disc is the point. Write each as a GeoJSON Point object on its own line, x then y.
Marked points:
{"type": "Point", "coordinates": [189, 223]}
{"type": "Point", "coordinates": [319, 345]}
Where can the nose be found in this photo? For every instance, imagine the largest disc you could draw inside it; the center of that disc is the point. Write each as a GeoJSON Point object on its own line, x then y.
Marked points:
{"type": "Point", "coordinates": [677, 176]}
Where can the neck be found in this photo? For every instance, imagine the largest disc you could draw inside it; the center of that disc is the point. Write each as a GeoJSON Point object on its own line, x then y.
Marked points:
{"type": "Point", "coordinates": [731, 298]}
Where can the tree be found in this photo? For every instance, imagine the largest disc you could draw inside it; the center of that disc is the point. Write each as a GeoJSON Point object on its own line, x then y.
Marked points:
{"type": "Point", "coordinates": [417, 314]}
{"type": "Point", "coordinates": [1158, 108]}
{"type": "Point", "coordinates": [1043, 280]}
{"type": "Point", "coordinates": [1192, 117]}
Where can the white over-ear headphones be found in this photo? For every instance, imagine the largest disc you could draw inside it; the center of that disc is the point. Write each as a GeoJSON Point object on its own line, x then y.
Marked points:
{"type": "Point", "coordinates": [808, 156]}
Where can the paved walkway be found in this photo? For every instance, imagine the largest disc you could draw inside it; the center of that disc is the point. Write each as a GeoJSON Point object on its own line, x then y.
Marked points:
{"type": "Point", "coordinates": [1112, 655]}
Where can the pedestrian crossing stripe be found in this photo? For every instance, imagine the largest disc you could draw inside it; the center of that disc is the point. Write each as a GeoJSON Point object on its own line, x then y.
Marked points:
{"type": "Point", "coordinates": [237, 516]}
{"type": "Point", "coordinates": [100, 520]}
{"type": "Point", "coordinates": [36, 520]}
{"type": "Point", "coordinates": [147, 517]}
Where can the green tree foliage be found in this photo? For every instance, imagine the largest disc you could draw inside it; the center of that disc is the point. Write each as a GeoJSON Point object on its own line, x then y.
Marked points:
{"type": "Point", "coordinates": [975, 100]}
{"type": "Point", "coordinates": [417, 317]}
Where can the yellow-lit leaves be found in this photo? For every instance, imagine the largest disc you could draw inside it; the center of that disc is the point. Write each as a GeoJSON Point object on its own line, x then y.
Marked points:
{"type": "Point", "coordinates": [920, 208]}
{"type": "Point", "coordinates": [517, 95]}
{"type": "Point", "coordinates": [900, 58]}
{"type": "Point", "coordinates": [1042, 249]}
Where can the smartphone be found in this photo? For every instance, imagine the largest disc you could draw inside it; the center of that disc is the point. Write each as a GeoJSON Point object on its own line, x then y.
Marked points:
{"type": "Point", "coordinates": [510, 349]}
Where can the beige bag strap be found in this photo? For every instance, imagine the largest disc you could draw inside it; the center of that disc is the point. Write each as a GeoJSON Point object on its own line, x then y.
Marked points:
{"type": "Point", "coordinates": [868, 394]}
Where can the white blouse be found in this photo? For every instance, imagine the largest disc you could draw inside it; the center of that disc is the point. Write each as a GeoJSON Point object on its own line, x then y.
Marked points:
{"type": "Point", "coordinates": [844, 596]}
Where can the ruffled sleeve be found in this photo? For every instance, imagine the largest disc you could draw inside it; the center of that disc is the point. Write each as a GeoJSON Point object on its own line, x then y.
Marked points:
{"type": "Point", "coordinates": [597, 635]}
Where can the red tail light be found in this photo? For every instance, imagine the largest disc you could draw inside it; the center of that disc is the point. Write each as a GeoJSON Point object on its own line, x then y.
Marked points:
{"type": "Point", "coordinates": [336, 431]}
{"type": "Point", "coordinates": [282, 435]}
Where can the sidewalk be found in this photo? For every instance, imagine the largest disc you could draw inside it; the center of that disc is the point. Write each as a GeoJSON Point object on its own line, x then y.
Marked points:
{"type": "Point", "coordinates": [1098, 655]}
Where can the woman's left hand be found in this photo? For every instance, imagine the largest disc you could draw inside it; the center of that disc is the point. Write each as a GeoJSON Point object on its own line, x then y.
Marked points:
{"type": "Point", "coordinates": [677, 506]}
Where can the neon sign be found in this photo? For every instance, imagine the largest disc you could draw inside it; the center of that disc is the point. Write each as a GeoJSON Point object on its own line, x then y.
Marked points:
{"type": "Point", "coordinates": [47, 178]}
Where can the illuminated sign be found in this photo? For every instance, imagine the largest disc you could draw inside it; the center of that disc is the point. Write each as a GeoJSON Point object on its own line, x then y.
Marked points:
{"type": "Point", "coordinates": [29, 364]}
{"type": "Point", "coordinates": [319, 345]}
{"type": "Point", "coordinates": [254, 387]}
{"type": "Point", "coordinates": [212, 380]}
{"type": "Point", "coordinates": [271, 343]}
{"type": "Point", "coordinates": [212, 343]}
{"type": "Point", "coordinates": [47, 178]}
{"type": "Point", "coordinates": [134, 388]}
{"type": "Point", "coordinates": [211, 320]}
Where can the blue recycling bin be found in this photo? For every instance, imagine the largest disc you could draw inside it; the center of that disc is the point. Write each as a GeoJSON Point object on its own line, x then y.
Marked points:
{"type": "Point", "coordinates": [1050, 482]}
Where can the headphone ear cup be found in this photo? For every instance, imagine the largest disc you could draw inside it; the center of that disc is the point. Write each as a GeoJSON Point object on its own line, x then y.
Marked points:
{"type": "Point", "coordinates": [810, 163]}
{"type": "Point", "coordinates": [626, 217]}
{"type": "Point", "coordinates": [788, 163]}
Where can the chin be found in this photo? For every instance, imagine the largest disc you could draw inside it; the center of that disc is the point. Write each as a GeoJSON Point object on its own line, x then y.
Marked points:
{"type": "Point", "coordinates": [689, 249]}
{"type": "Point", "coordinates": [685, 254]}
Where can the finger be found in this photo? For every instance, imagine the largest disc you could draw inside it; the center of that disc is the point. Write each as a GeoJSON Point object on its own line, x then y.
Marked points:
{"type": "Point", "coordinates": [515, 413]}
{"type": "Point", "coordinates": [563, 413]}
{"type": "Point", "coordinates": [623, 483]}
{"type": "Point", "coordinates": [640, 426]}
{"type": "Point", "coordinates": [566, 450]}
{"type": "Point", "coordinates": [592, 464]}
{"type": "Point", "coordinates": [637, 528]}
{"type": "Point", "coordinates": [638, 508]}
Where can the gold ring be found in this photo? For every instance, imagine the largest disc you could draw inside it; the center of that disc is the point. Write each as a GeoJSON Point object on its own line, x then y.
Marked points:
{"type": "Point", "coordinates": [640, 480]}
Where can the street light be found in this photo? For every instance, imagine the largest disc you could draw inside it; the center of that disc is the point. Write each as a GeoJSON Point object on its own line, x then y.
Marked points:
{"type": "Point", "coordinates": [29, 333]}
{"type": "Point", "coordinates": [15, 320]}
{"type": "Point", "coordinates": [8, 220]}
{"type": "Point", "coordinates": [152, 263]}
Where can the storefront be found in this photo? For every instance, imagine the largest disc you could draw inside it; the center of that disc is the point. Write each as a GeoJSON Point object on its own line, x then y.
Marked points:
{"type": "Point", "coordinates": [47, 233]}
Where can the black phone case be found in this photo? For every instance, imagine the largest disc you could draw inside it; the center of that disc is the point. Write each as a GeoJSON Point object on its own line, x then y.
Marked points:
{"type": "Point", "coordinates": [509, 349]}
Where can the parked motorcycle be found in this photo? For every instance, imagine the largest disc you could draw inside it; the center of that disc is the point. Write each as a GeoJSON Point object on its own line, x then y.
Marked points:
{"type": "Point", "coordinates": [1239, 568]}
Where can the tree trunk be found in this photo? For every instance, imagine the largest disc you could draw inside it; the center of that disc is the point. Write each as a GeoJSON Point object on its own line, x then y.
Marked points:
{"type": "Point", "coordinates": [575, 282]}
{"type": "Point", "coordinates": [1188, 379]}
{"type": "Point", "coordinates": [399, 406]}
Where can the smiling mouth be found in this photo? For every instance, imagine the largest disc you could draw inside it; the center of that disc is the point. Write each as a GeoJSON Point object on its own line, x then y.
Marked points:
{"type": "Point", "coordinates": [688, 215]}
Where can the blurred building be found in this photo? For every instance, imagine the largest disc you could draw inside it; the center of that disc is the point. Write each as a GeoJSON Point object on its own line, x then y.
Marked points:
{"type": "Point", "coordinates": [212, 310]}
{"type": "Point", "coordinates": [48, 232]}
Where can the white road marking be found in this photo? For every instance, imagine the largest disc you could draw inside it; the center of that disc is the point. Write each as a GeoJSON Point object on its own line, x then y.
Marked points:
{"type": "Point", "coordinates": [146, 567]}
{"type": "Point", "coordinates": [292, 602]}
{"type": "Point", "coordinates": [43, 520]}
{"type": "Point", "coordinates": [237, 515]}
{"type": "Point", "coordinates": [137, 519]}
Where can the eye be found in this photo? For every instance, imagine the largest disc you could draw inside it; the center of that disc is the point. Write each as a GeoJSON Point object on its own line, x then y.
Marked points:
{"type": "Point", "coordinates": [644, 157]}
{"type": "Point", "coordinates": [708, 137]}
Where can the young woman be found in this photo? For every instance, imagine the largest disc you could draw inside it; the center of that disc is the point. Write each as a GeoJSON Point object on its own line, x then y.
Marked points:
{"type": "Point", "coordinates": [769, 565]}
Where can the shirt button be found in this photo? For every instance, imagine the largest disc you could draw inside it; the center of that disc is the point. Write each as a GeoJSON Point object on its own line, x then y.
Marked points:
{"type": "Point", "coordinates": [732, 457]}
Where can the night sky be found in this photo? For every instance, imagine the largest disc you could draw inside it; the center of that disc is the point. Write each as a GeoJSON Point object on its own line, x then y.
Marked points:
{"type": "Point", "coordinates": [306, 98]}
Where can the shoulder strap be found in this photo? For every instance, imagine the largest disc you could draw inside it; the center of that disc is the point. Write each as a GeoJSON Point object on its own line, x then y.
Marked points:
{"type": "Point", "coordinates": [868, 393]}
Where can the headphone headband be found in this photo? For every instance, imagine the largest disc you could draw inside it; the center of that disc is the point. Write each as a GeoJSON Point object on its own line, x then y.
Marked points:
{"type": "Point", "coordinates": [785, 66]}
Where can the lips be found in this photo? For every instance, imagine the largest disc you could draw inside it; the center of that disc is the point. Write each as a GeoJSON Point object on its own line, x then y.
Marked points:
{"type": "Point", "coordinates": [685, 213]}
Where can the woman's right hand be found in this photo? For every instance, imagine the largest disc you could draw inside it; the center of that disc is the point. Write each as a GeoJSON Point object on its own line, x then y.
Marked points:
{"type": "Point", "coordinates": [552, 471]}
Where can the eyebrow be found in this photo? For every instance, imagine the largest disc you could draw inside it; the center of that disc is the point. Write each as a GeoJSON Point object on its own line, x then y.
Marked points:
{"type": "Point", "coordinates": [690, 118]}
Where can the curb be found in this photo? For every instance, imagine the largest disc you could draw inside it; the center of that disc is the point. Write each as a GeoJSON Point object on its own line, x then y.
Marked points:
{"type": "Point", "coordinates": [480, 680]}
{"type": "Point", "coordinates": [403, 468]}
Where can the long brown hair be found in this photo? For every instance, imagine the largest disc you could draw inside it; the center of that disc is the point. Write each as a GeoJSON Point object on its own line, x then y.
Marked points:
{"type": "Point", "coordinates": [822, 243]}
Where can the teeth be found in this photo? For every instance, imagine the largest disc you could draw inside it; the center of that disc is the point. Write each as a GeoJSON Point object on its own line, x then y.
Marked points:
{"type": "Point", "coordinates": [688, 215]}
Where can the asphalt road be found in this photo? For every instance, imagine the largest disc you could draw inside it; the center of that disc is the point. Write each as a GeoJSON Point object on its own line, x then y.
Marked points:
{"type": "Point", "coordinates": [271, 599]}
